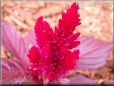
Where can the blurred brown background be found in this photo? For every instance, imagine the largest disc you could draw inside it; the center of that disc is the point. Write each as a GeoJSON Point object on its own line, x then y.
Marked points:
{"type": "Point", "coordinates": [96, 18]}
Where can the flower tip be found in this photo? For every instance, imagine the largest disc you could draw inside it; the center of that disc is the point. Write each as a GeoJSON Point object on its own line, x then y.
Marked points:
{"type": "Point", "coordinates": [40, 19]}
{"type": "Point", "coordinates": [39, 23]}
{"type": "Point", "coordinates": [75, 5]}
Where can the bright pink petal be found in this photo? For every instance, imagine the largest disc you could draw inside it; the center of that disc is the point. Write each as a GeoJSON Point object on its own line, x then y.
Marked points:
{"type": "Point", "coordinates": [93, 53]}
{"type": "Point", "coordinates": [71, 59]}
{"type": "Point", "coordinates": [33, 55]}
{"type": "Point", "coordinates": [43, 36]}
{"type": "Point", "coordinates": [66, 39]}
{"type": "Point", "coordinates": [38, 64]}
{"type": "Point", "coordinates": [70, 19]}
{"type": "Point", "coordinates": [13, 42]}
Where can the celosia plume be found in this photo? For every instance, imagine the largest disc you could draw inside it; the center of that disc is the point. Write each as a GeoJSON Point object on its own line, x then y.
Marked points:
{"type": "Point", "coordinates": [52, 56]}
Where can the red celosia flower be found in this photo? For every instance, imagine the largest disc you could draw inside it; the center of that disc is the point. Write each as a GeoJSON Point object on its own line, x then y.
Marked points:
{"type": "Point", "coordinates": [52, 56]}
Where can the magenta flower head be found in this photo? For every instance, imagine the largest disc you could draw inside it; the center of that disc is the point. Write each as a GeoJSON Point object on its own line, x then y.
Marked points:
{"type": "Point", "coordinates": [52, 56]}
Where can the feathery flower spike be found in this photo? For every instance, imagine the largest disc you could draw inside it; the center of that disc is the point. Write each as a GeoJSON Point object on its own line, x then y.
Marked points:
{"type": "Point", "coordinates": [52, 57]}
